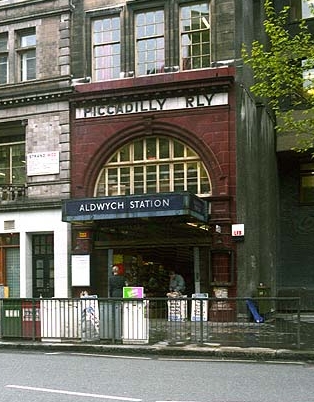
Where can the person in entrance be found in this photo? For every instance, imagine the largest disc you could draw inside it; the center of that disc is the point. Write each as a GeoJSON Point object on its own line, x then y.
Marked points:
{"type": "Point", "coordinates": [176, 283]}
{"type": "Point", "coordinates": [116, 283]}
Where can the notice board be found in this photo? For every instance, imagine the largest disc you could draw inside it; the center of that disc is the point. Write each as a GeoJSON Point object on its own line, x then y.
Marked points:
{"type": "Point", "coordinates": [80, 269]}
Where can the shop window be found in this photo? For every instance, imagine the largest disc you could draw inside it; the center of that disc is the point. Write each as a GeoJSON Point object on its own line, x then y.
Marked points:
{"type": "Point", "coordinates": [307, 183]}
{"type": "Point", "coordinates": [4, 58]}
{"type": "Point", "coordinates": [26, 51]}
{"type": "Point", "coordinates": [106, 34]}
{"type": "Point", "coordinates": [221, 267]}
{"type": "Point", "coordinates": [153, 165]}
{"type": "Point", "coordinates": [10, 263]}
{"type": "Point", "coordinates": [195, 36]}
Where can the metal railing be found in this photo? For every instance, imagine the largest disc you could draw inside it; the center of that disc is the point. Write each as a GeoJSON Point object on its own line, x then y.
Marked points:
{"type": "Point", "coordinates": [262, 322]}
{"type": "Point", "coordinates": [11, 192]}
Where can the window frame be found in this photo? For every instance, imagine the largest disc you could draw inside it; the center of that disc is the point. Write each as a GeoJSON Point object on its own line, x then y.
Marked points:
{"type": "Point", "coordinates": [25, 55]}
{"type": "Point", "coordinates": [104, 44]}
{"type": "Point", "coordinates": [155, 174]}
{"type": "Point", "coordinates": [306, 172]}
{"type": "Point", "coordinates": [4, 53]}
{"type": "Point", "coordinates": [127, 13]}
{"type": "Point", "coordinates": [145, 39]}
{"type": "Point", "coordinates": [194, 32]}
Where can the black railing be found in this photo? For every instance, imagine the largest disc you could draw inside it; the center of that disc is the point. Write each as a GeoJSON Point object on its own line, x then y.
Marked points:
{"type": "Point", "coordinates": [262, 322]}
{"type": "Point", "coordinates": [11, 192]}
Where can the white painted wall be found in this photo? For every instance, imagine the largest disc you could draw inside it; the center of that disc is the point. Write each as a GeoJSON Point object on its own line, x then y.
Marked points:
{"type": "Point", "coordinates": [36, 222]}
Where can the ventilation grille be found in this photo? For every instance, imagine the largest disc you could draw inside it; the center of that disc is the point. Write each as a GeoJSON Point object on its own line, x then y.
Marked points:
{"type": "Point", "coordinates": [9, 225]}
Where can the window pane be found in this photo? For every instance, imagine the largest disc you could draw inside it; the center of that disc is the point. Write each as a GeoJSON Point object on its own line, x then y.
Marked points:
{"type": "Point", "coordinates": [307, 183]}
{"type": "Point", "coordinates": [138, 180]}
{"type": "Point", "coordinates": [195, 36]}
{"type": "Point", "coordinates": [205, 185]}
{"type": "Point", "coordinates": [28, 40]}
{"type": "Point", "coordinates": [3, 42]}
{"type": "Point", "coordinates": [106, 48]}
{"type": "Point", "coordinates": [138, 150]}
{"type": "Point", "coordinates": [28, 65]}
{"type": "Point", "coordinates": [125, 181]}
{"type": "Point", "coordinates": [163, 148]}
{"type": "Point", "coordinates": [27, 56]}
{"type": "Point", "coordinates": [150, 168]}
{"type": "Point", "coordinates": [178, 177]}
{"type": "Point", "coordinates": [18, 164]}
{"type": "Point", "coordinates": [192, 177]}
{"type": "Point", "coordinates": [125, 154]}
{"type": "Point", "coordinates": [164, 178]}
{"type": "Point", "coordinates": [12, 164]}
{"type": "Point", "coordinates": [13, 271]}
{"type": "Point", "coordinates": [151, 179]}
{"type": "Point", "coordinates": [178, 150]}
{"type": "Point", "coordinates": [3, 69]}
{"type": "Point", "coordinates": [151, 148]}
{"type": "Point", "coordinates": [307, 8]}
{"type": "Point", "coordinates": [150, 45]}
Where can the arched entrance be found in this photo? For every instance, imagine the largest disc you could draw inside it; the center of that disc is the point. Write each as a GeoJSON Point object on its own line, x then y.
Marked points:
{"type": "Point", "coordinates": [148, 217]}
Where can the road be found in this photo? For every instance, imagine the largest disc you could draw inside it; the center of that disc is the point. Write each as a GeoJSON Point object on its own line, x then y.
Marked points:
{"type": "Point", "coordinates": [68, 377]}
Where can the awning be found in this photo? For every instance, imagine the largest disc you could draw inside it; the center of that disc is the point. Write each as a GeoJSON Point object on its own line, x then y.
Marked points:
{"type": "Point", "coordinates": [135, 206]}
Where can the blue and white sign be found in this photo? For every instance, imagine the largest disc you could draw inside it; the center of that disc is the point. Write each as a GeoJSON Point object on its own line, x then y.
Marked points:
{"type": "Point", "coordinates": [135, 206]}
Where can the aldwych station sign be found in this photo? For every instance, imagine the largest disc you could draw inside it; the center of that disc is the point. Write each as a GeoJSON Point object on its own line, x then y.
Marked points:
{"type": "Point", "coordinates": [135, 206]}
{"type": "Point", "coordinates": [152, 105]}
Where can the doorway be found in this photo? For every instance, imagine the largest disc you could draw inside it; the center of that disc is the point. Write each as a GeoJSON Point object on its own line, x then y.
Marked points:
{"type": "Point", "coordinates": [43, 265]}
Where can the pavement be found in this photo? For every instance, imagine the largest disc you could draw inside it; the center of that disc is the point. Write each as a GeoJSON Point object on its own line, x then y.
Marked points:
{"type": "Point", "coordinates": [204, 351]}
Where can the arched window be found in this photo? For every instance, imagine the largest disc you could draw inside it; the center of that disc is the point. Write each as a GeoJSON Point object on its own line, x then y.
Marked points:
{"type": "Point", "coordinates": [153, 165]}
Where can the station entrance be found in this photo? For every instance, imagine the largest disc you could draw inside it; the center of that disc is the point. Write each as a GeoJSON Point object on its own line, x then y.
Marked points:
{"type": "Point", "coordinates": [147, 250]}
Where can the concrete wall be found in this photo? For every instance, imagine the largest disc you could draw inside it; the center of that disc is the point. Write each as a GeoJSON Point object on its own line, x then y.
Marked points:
{"type": "Point", "coordinates": [257, 198]}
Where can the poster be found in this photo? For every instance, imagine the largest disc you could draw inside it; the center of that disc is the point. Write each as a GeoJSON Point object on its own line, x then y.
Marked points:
{"type": "Point", "coordinates": [41, 163]}
{"type": "Point", "coordinates": [177, 309]}
{"type": "Point", "coordinates": [80, 270]}
{"type": "Point", "coordinates": [199, 307]}
{"type": "Point", "coordinates": [133, 292]}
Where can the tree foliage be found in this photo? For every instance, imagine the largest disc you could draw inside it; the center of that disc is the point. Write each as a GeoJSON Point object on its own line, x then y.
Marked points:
{"type": "Point", "coordinates": [283, 70]}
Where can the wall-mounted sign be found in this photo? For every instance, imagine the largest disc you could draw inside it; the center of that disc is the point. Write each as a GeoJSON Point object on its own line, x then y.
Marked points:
{"type": "Point", "coordinates": [238, 230]}
{"type": "Point", "coordinates": [133, 292]}
{"type": "Point", "coordinates": [199, 310]}
{"type": "Point", "coordinates": [152, 105]}
{"type": "Point", "coordinates": [42, 163]}
{"type": "Point", "coordinates": [80, 269]}
{"type": "Point", "coordinates": [135, 206]}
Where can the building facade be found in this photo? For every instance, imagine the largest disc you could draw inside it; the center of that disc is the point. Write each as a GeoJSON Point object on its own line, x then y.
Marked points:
{"type": "Point", "coordinates": [34, 145]}
{"type": "Point", "coordinates": [161, 113]}
{"type": "Point", "coordinates": [295, 275]}
{"type": "Point", "coordinates": [129, 136]}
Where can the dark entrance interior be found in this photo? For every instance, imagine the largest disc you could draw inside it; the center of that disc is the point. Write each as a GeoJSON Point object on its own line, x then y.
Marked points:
{"type": "Point", "coordinates": [150, 266]}
{"type": "Point", "coordinates": [146, 249]}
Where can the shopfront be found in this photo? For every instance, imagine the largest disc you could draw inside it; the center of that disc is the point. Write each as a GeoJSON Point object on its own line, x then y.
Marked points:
{"type": "Point", "coordinates": [145, 235]}
{"type": "Point", "coordinates": [153, 182]}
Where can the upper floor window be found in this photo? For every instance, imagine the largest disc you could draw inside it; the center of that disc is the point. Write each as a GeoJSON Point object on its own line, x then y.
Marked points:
{"type": "Point", "coordinates": [26, 50]}
{"type": "Point", "coordinates": [307, 182]}
{"type": "Point", "coordinates": [145, 41]}
{"type": "Point", "coordinates": [150, 42]}
{"type": "Point", "coordinates": [153, 165]}
{"type": "Point", "coordinates": [106, 48]}
{"type": "Point", "coordinates": [195, 36]}
{"type": "Point", "coordinates": [12, 160]}
{"type": "Point", "coordinates": [301, 9]}
{"type": "Point", "coordinates": [3, 58]}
